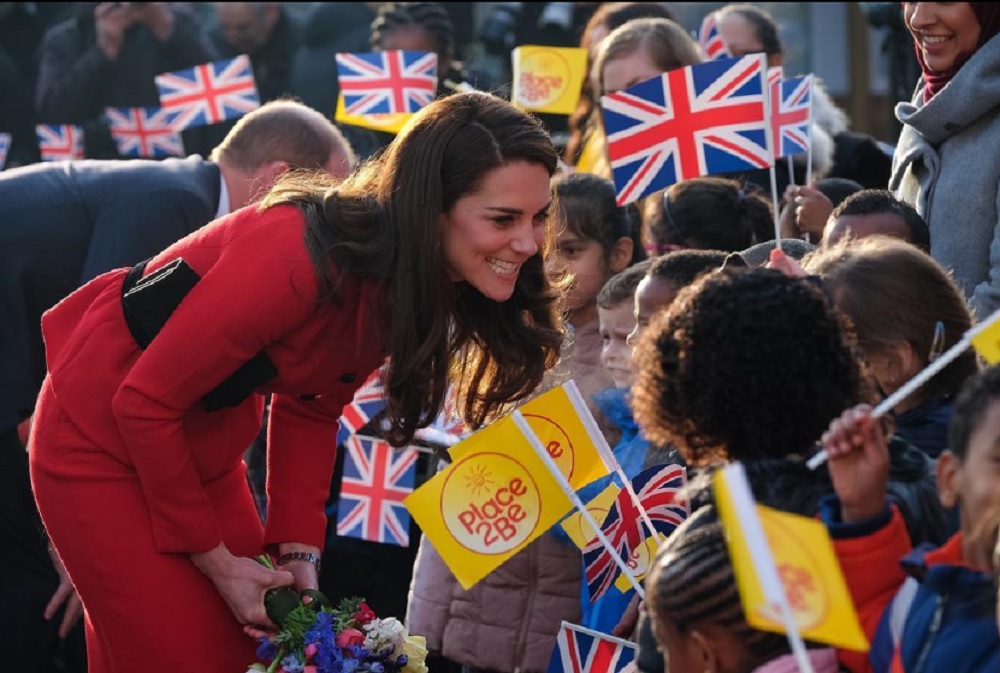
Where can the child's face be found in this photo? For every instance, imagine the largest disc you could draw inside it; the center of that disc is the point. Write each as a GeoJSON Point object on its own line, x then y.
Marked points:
{"type": "Point", "coordinates": [652, 295]}
{"type": "Point", "coordinates": [584, 259]}
{"type": "Point", "coordinates": [616, 355]}
{"type": "Point", "coordinates": [976, 482]}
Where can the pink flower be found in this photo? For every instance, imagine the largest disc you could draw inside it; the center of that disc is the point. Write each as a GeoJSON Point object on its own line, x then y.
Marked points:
{"type": "Point", "coordinates": [309, 669]}
{"type": "Point", "coordinates": [311, 650]}
{"type": "Point", "coordinates": [364, 614]}
{"type": "Point", "coordinates": [349, 637]}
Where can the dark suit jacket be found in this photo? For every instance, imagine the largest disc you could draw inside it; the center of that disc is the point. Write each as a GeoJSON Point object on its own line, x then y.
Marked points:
{"type": "Point", "coordinates": [62, 224]}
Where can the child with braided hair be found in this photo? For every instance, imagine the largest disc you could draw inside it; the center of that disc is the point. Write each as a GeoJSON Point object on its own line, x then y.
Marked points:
{"type": "Point", "coordinates": [420, 26]}
{"type": "Point", "coordinates": [694, 604]}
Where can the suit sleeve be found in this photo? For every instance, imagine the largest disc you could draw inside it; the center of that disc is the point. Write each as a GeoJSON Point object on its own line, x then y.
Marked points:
{"type": "Point", "coordinates": [301, 449]}
{"type": "Point", "coordinates": [73, 77]}
{"type": "Point", "coordinates": [260, 287]}
{"type": "Point", "coordinates": [134, 230]}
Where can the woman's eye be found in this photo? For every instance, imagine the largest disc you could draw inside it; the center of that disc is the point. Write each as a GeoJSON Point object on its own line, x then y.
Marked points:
{"type": "Point", "coordinates": [504, 219]}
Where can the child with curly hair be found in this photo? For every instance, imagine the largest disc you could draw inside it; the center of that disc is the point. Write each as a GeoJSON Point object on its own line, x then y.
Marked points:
{"type": "Point", "coordinates": [752, 365]}
{"type": "Point", "coordinates": [935, 610]}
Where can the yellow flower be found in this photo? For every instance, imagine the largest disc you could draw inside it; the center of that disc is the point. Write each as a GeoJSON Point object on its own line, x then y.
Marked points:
{"type": "Point", "coordinates": [415, 649]}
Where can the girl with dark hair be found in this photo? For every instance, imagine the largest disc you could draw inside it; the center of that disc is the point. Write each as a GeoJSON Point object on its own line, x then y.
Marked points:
{"type": "Point", "coordinates": [697, 617]}
{"type": "Point", "coordinates": [431, 255]}
{"type": "Point", "coordinates": [708, 214]}
{"type": "Point", "coordinates": [905, 311]}
{"type": "Point", "coordinates": [420, 26]}
{"type": "Point", "coordinates": [752, 365]}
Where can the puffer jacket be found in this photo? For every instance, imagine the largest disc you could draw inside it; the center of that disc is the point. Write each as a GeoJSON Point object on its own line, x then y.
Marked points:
{"type": "Point", "coordinates": [509, 621]}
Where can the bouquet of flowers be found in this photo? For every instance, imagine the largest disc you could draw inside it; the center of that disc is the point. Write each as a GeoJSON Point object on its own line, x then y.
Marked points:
{"type": "Point", "coordinates": [319, 638]}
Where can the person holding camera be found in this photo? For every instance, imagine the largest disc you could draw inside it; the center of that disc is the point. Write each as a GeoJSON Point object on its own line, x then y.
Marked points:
{"type": "Point", "coordinates": [109, 56]}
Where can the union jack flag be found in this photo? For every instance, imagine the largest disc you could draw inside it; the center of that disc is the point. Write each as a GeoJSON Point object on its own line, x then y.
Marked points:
{"type": "Point", "coordinates": [580, 650]}
{"type": "Point", "coordinates": [368, 402]}
{"type": "Point", "coordinates": [791, 116]}
{"type": "Point", "coordinates": [656, 489]}
{"type": "Point", "coordinates": [209, 93]}
{"type": "Point", "coordinates": [388, 82]}
{"type": "Point", "coordinates": [60, 142]}
{"type": "Point", "coordinates": [699, 120]}
{"type": "Point", "coordinates": [5, 139]}
{"type": "Point", "coordinates": [143, 132]}
{"type": "Point", "coordinates": [710, 39]}
{"type": "Point", "coordinates": [376, 479]}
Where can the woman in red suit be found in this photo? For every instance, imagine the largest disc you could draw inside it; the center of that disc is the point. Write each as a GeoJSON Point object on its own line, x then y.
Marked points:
{"type": "Point", "coordinates": [430, 255]}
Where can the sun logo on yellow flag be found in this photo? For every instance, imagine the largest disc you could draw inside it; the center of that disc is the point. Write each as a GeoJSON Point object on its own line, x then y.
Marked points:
{"type": "Point", "coordinates": [478, 480]}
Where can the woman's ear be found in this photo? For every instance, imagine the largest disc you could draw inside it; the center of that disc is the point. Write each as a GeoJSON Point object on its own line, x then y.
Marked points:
{"type": "Point", "coordinates": [621, 254]}
{"type": "Point", "coordinates": [946, 475]}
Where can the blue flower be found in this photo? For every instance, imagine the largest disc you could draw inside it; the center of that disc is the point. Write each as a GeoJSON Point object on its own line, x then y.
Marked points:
{"type": "Point", "coordinates": [266, 651]}
{"type": "Point", "coordinates": [291, 664]}
{"type": "Point", "coordinates": [350, 665]}
{"type": "Point", "coordinates": [376, 667]}
{"type": "Point", "coordinates": [402, 660]}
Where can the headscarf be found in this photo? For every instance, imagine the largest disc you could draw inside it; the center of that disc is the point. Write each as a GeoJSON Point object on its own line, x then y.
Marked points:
{"type": "Point", "coordinates": [988, 16]}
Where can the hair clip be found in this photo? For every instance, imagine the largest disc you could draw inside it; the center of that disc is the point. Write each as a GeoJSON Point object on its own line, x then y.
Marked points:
{"type": "Point", "coordinates": [937, 344]}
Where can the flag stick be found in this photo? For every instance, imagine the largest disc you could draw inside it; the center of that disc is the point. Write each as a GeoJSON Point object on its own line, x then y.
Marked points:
{"type": "Point", "coordinates": [791, 171]}
{"type": "Point", "coordinates": [763, 561]}
{"type": "Point", "coordinates": [809, 150]}
{"type": "Point", "coordinates": [777, 216]}
{"type": "Point", "coordinates": [536, 444]}
{"type": "Point", "coordinates": [605, 451]}
{"type": "Point", "coordinates": [922, 377]}
{"type": "Point", "coordinates": [597, 634]}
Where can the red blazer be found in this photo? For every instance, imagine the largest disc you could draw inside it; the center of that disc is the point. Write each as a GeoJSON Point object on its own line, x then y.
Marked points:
{"type": "Point", "coordinates": [257, 291]}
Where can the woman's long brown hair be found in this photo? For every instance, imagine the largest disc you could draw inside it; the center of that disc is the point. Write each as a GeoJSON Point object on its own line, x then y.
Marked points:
{"type": "Point", "coordinates": [385, 221]}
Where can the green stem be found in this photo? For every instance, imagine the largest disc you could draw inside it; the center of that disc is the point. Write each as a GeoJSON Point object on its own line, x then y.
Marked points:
{"type": "Point", "coordinates": [277, 660]}
{"type": "Point", "coordinates": [265, 561]}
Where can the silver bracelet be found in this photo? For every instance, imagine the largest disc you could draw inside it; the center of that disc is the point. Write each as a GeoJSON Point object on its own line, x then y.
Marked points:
{"type": "Point", "coordinates": [300, 556]}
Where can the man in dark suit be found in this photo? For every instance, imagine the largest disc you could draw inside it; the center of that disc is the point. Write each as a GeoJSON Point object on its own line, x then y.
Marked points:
{"type": "Point", "coordinates": [62, 224]}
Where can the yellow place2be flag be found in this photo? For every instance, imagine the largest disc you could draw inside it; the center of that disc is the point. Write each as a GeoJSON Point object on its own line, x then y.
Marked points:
{"type": "Point", "coordinates": [496, 498]}
{"type": "Point", "coordinates": [557, 419]}
{"type": "Point", "coordinates": [548, 79]}
{"type": "Point", "coordinates": [389, 123]}
{"type": "Point", "coordinates": [807, 568]}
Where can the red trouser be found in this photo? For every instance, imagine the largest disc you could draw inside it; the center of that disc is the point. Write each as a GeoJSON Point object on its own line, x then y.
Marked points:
{"type": "Point", "coordinates": [144, 610]}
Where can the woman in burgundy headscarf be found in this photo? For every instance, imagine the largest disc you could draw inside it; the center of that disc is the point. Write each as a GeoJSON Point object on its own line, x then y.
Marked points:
{"type": "Point", "coordinates": [947, 163]}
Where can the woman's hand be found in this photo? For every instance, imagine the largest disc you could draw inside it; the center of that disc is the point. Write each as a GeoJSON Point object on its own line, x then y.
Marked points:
{"type": "Point", "coordinates": [859, 463]}
{"type": "Point", "coordinates": [65, 593]}
{"type": "Point", "coordinates": [242, 583]}
{"type": "Point", "coordinates": [306, 576]}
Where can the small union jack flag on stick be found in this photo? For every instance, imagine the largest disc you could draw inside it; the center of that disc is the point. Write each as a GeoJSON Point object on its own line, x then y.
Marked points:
{"type": "Point", "coordinates": [376, 480]}
{"type": "Point", "coordinates": [5, 139]}
{"type": "Point", "coordinates": [209, 93]}
{"type": "Point", "coordinates": [368, 402]}
{"type": "Point", "coordinates": [657, 491]}
{"type": "Point", "coordinates": [791, 116]}
{"type": "Point", "coordinates": [60, 142]}
{"type": "Point", "coordinates": [388, 82]}
{"type": "Point", "coordinates": [710, 39]}
{"type": "Point", "coordinates": [699, 120]}
{"type": "Point", "coordinates": [581, 650]}
{"type": "Point", "coordinates": [143, 132]}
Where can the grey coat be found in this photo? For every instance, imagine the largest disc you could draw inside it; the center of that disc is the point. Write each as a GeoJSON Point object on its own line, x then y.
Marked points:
{"type": "Point", "coordinates": [947, 165]}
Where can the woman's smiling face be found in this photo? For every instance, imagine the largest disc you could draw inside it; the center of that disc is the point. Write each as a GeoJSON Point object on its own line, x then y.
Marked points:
{"type": "Point", "coordinates": [942, 31]}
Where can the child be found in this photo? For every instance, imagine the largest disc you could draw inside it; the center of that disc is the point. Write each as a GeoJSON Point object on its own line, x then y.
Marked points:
{"type": "Point", "coordinates": [616, 316]}
{"type": "Point", "coordinates": [905, 310]}
{"type": "Point", "coordinates": [942, 616]}
{"type": "Point", "coordinates": [694, 604]}
{"type": "Point", "coordinates": [707, 214]}
{"type": "Point", "coordinates": [667, 276]}
{"type": "Point", "coordinates": [752, 365]}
